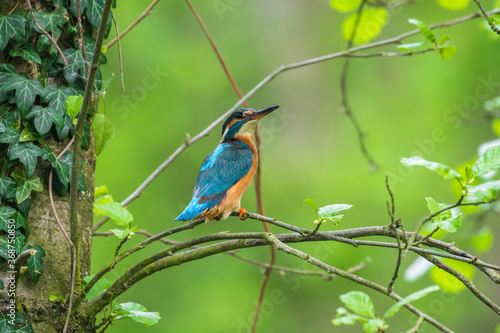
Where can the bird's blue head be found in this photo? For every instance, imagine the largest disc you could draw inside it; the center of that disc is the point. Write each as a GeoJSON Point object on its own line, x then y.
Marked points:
{"type": "Point", "coordinates": [243, 122]}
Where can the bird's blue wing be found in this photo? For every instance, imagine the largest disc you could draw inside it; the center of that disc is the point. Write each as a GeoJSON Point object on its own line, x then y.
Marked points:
{"type": "Point", "coordinates": [223, 168]}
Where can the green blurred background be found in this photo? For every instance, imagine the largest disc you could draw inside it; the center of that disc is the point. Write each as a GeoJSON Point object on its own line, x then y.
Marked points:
{"type": "Point", "coordinates": [175, 86]}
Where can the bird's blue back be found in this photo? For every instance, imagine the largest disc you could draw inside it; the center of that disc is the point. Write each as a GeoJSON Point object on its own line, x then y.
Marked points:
{"type": "Point", "coordinates": [224, 167]}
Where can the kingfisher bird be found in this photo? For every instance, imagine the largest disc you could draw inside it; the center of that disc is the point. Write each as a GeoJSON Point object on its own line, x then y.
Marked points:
{"type": "Point", "coordinates": [227, 171]}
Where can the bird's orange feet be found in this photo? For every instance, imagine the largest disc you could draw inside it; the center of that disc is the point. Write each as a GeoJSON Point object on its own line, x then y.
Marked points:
{"type": "Point", "coordinates": [242, 211]}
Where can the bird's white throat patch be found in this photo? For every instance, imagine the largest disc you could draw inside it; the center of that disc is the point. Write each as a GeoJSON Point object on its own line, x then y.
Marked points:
{"type": "Point", "coordinates": [248, 128]}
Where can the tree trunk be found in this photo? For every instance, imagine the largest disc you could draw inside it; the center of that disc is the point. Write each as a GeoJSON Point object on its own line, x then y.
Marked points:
{"type": "Point", "coordinates": [33, 299]}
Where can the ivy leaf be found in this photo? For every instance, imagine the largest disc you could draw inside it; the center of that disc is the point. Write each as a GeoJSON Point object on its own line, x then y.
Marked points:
{"type": "Point", "coordinates": [98, 288]}
{"type": "Point", "coordinates": [137, 313]}
{"type": "Point", "coordinates": [19, 241]}
{"type": "Point", "coordinates": [73, 105]}
{"type": "Point", "coordinates": [426, 31]}
{"type": "Point", "coordinates": [67, 159]}
{"type": "Point", "coordinates": [359, 302]}
{"type": "Point", "coordinates": [488, 161]}
{"type": "Point", "coordinates": [6, 213]}
{"type": "Point", "coordinates": [52, 22]}
{"type": "Point", "coordinates": [30, 134]}
{"type": "Point", "coordinates": [11, 26]}
{"type": "Point", "coordinates": [21, 223]}
{"type": "Point", "coordinates": [103, 130]}
{"type": "Point", "coordinates": [7, 187]}
{"type": "Point", "coordinates": [26, 91]}
{"type": "Point", "coordinates": [369, 25]}
{"type": "Point", "coordinates": [10, 135]}
{"type": "Point", "coordinates": [27, 153]}
{"type": "Point", "coordinates": [76, 64]}
{"type": "Point", "coordinates": [25, 185]}
{"type": "Point", "coordinates": [24, 207]}
{"type": "Point", "coordinates": [64, 131]}
{"type": "Point", "coordinates": [62, 169]}
{"type": "Point", "coordinates": [44, 118]}
{"type": "Point", "coordinates": [410, 298]}
{"type": "Point", "coordinates": [120, 215]}
{"type": "Point", "coordinates": [57, 97]}
{"type": "Point", "coordinates": [27, 52]}
{"type": "Point", "coordinates": [35, 261]}
{"type": "Point", "coordinates": [445, 171]}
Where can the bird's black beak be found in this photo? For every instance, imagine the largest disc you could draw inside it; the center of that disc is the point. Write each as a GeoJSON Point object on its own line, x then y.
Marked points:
{"type": "Point", "coordinates": [264, 112]}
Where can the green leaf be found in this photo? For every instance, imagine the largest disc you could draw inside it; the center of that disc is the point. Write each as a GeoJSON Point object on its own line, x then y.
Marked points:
{"type": "Point", "coordinates": [453, 224]}
{"type": "Point", "coordinates": [26, 91]}
{"type": "Point", "coordinates": [426, 31]}
{"type": "Point", "coordinates": [98, 288]}
{"type": "Point", "coordinates": [117, 213]}
{"type": "Point", "coordinates": [488, 161]}
{"type": "Point", "coordinates": [57, 97]}
{"type": "Point", "coordinates": [19, 241]}
{"type": "Point", "coordinates": [435, 207]}
{"type": "Point", "coordinates": [6, 213]}
{"type": "Point", "coordinates": [369, 25]}
{"type": "Point", "coordinates": [332, 210]}
{"type": "Point", "coordinates": [443, 170]}
{"type": "Point", "coordinates": [27, 52]}
{"type": "Point", "coordinates": [104, 131]}
{"type": "Point", "coordinates": [448, 282]}
{"type": "Point", "coordinates": [26, 329]}
{"type": "Point", "coordinates": [137, 313]}
{"type": "Point", "coordinates": [21, 223]}
{"type": "Point", "coordinates": [74, 105]}
{"type": "Point", "coordinates": [10, 135]}
{"type": "Point", "coordinates": [410, 47]}
{"type": "Point", "coordinates": [312, 203]}
{"type": "Point", "coordinates": [120, 233]}
{"type": "Point", "coordinates": [348, 319]}
{"type": "Point", "coordinates": [11, 26]}
{"type": "Point", "coordinates": [86, 135]}
{"type": "Point", "coordinates": [44, 118]}
{"type": "Point", "coordinates": [359, 302]}
{"type": "Point", "coordinates": [453, 4]}
{"type": "Point", "coordinates": [76, 64]}
{"type": "Point", "coordinates": [35, 262]}
{"type": "Point", "coordinates": [7, 187]}
{"type": "Point", "coordinates": [483, 240]}
{"type": "Point", "coordinates": [29, 133]}
{"type": "Point", "coordinates": [345, 5]}
{"type": "Point", "coordinates": [25, 185]}
{"type": "Point", "coordinates": [54, 298]}
{"type": "Point", "coordinates": [447, 52]}
{"type": "Point", "coordinates": [410, 298]}
{"type": "Point", "coordinates": [374, 325]}
{"type": "Point", "coordinates": [24, 207]}
{"type": "Point", "coordinates": [27, 153]}
{"type": "Point", "coordinates": [62, 169]}
{"type": "Point", "coordinates": [52, 22]}
{"type": "Point", "coordinates": [101, 197]}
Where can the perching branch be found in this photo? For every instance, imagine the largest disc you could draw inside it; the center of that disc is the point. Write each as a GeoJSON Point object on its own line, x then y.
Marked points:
{"type": "Point", "coordinates": [346, 53]}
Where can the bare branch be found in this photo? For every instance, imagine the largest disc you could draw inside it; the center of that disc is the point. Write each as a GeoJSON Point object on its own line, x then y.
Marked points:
{"type": "Point", "coordinates": [144, 14]}
{"type": "Point", "coordinates": [119, 54]}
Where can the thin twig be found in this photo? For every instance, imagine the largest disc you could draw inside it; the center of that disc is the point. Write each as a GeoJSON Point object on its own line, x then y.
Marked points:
{"type": "Point", "coordinates": [415, 328]}
{"type": "Point", "coordinates": [344, 105]}
{"type": "Point", "coordinates": [144, 14]}
{"type": "Point", "coordinates": [391, 208]}
{"type": "Point", "coordinates": [119, 54]}
{"type": "Point", "coordinates": [61, 228]}
{"type": "Point", "coordinates": [492, 25]}
{"type": "Point", "coordinates": [394, 40]}
{"type": "Point", "coordinates": [126, 238]}
{"type": "Point", "coordinates": [52, 40]}
{"type": "Point", "coordinates": [462, 278]}
{"type": "Point", "coordinates": [81, 41]}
